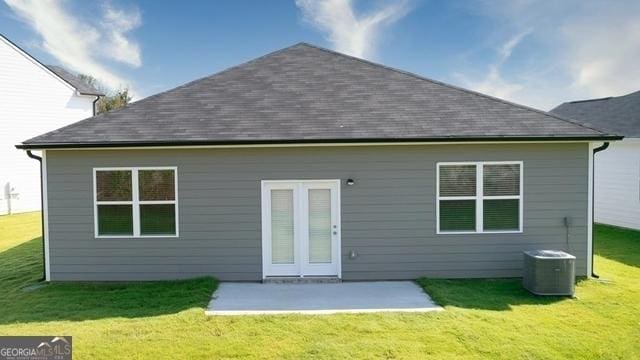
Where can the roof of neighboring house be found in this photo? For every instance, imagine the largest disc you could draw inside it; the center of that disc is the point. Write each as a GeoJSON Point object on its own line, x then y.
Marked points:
{"type": "Point", "coordinates": [616, 115]}
{"type": "Point", "coordinates": [81, 86]}
{"type": "Point", "coordinates": [306, 94]}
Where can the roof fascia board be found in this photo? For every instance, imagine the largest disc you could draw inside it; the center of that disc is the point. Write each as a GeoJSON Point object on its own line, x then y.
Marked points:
{"type": "Point", "coordinates": [308, 144]}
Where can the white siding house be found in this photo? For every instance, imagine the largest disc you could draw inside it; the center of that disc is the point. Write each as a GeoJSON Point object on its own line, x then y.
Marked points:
{"type": "Point", "coordinates": [617, 176]}
{"type": "Point", "coordinates": [617, 169]}
{"type": "Point", "coordinates": [33, 100]}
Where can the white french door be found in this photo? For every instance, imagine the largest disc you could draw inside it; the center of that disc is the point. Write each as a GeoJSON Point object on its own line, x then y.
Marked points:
{"type": "Point", "coordinates": [301, 228]}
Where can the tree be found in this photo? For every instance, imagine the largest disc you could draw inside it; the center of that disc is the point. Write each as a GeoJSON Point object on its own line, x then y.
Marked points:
{"type": "Point", "coordinates": [112, 100]}
{"type": "Point", "coordinates": [116, 100]}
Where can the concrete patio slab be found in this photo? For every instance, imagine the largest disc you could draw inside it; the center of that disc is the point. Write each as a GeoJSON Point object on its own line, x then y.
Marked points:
{"type": "Point", "coordinates": [346, 297]}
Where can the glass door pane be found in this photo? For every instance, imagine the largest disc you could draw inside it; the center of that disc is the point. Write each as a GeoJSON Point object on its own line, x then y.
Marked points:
{"type": "Point", "coordinates": [319, 226]}
{"type": "Point", "coordinates": [282, 227]}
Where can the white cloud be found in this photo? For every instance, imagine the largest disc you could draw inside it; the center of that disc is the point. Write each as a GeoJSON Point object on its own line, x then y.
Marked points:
{"type": "Point", "coordinates": [591, 49]}
{"type": "Point", "coordinates": [494, 83]}
{"type": "Point", "coordinates": [116, 24]}
{"type": "Point", "coordinates": [603, 50]}
{"type": "Point", "coordinates": [79, 44]}
{"type": "Point", "coordinates": [506, 49]}
{"type": "Point", "coordinates": [347, 32]}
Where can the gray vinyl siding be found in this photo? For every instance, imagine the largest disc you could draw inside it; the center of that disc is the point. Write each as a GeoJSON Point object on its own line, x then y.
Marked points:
{"type": "Point", "coordinates": [388, 216]}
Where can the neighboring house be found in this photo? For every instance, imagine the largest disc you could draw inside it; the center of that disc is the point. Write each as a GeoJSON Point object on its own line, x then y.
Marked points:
{"type": "Point", "coordinates": [617, 170]}
{"type": "Point", "coordinates": [34, 99]}
{"type": "Point", "coordinates": [307, 162]}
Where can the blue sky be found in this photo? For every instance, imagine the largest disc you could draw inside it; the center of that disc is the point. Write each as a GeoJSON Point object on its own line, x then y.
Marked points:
{"type": "Point", "coordinates": [535, 52]}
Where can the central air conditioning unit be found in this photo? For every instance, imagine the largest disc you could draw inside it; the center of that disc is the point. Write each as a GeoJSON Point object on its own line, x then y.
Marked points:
{"type": "Point", "coordinates": [549, 272]}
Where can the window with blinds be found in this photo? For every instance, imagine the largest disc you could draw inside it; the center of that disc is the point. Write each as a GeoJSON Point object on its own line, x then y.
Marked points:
{"type": "Point", "coordinates": [282, 226]}
{"type": "Point", "coordinates": [135, 202]}
{"type": "Point", "coordinates": [319, 226]}
{"type": "Point", "coordinates": [458, 197]}
{"type": "Point", "coordinates": [478, 197]}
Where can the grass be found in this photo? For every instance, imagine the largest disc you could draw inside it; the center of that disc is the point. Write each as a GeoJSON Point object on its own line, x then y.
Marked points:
{"type": "Point", "coordinates": [483, 318]}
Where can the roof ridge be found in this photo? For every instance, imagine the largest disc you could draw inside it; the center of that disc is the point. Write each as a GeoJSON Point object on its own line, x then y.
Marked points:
{"type": "Point", "coordinates": [71, 77]}
{"type": "Point", "coordinates": [588, 100]}
{"type": "Point", "coordinates": [207, 76]}
{"type": "Point", "coordinates": [135, 103]}
{"type": "Point", "coordinates": [598, 99]}
{"type": "Point", "coordinates": [221, 71]}
{"type": "Point", "coordinates": [420, 77]}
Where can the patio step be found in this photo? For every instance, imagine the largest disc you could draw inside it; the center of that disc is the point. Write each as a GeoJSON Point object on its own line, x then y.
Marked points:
{"type": "Point", "coordinates": [301, 280]}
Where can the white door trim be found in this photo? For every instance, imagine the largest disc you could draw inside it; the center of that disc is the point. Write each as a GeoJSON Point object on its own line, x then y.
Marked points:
{"type": "Point", "coordinates": [267, 266]}
{"type": "Point", "coordinates": [298, 203]}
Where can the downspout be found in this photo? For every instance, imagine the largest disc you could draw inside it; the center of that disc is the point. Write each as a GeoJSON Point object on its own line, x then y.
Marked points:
{"type": "Point", "coordinates": [94, 104]}
{"type": "Point", "coordinates": [35, 157]}
{"type": "Point", "coordinates": [593, 207]}
{"type": "Point", "coordinates": [44, 260]}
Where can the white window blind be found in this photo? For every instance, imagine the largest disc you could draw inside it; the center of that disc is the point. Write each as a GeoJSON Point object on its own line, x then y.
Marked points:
{"type": "Point", "coordinates": [282, 227]}
{"type": "Point", "coordinates": [319, 225]}
{"type": "Point", "coordinates": [479, 197]}
{"type": "Point", "coordinates": [457, 202]}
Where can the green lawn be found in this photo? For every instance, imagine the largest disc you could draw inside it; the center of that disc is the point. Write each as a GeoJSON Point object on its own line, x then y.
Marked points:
{"type": "Point", "coordinates": [483, 318]}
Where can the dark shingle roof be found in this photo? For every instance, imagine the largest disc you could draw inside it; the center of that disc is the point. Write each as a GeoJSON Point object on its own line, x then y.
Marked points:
{"type": "Point", "coordinates": [81, 86]}
{"type": "Point", "coordinates": [615, 115]}
{"type": "Point", "coordinates": [308, 94]}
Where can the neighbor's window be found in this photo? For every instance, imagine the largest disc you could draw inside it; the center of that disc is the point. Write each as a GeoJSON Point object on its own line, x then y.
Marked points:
{"type": "Point", "coordinates": [479, 197]}
{"type": "Point", "coordinates": [136, 202]}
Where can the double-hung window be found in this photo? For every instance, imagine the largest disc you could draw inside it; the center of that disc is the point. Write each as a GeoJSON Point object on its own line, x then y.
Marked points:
{"type": "Point", "coordinates": [479, 197]}
{"type": "Point", "coordinates": [135, 202]}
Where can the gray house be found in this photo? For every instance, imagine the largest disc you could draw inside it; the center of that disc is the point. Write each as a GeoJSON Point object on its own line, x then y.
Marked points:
{"type": "Point", "coordinates": [307, 162]}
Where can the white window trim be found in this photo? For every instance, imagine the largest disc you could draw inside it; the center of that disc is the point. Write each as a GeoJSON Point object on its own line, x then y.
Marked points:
{"type": "Point", "coordinates": [135, 201]}
{"type": "Point", "coordinates": [479, 197]}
